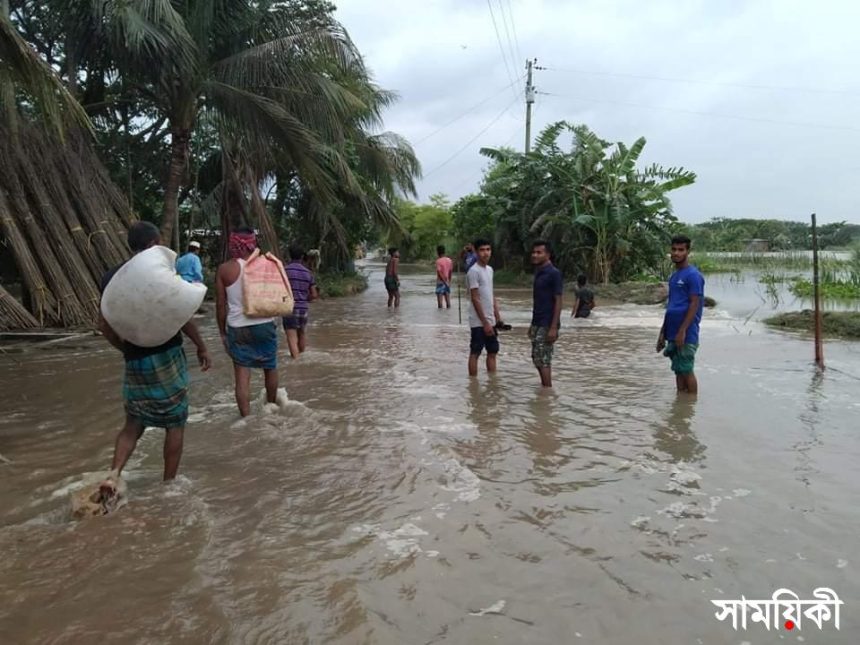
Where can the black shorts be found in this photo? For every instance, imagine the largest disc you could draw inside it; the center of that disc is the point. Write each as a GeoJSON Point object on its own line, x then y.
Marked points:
{"type": "Point", "coordinates": [480, 340]}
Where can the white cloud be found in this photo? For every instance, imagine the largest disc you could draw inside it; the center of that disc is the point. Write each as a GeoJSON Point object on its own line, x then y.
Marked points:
{"type": "Point", "coordinates": [442, 56]}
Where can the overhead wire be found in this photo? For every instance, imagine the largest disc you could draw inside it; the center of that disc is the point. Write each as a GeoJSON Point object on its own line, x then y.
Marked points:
{"type": "Point", "coordinates": [513, 52]}
{"type": "Point", "coordinates": [511, 76]}
{"type": "Point", "coordinates": [474, 176]}
{"type": "Point", "coordinates": [471, 141]}
{"type": "Point", "coordinates": [668, 79]}
{"type": "Point", "coordinates": [514, 30]}
{"type": "Point", "coordinates": [468, 111]}
{"type": "Point", "coordinates": [801, 124]}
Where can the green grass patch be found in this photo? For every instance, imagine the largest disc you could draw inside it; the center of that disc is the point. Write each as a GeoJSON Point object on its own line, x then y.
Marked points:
{"type": "Point", "coordinates": [509, 278]}
{"type": "Point", "coordinates": [337, 285]}
{"type": "Point", "coordinates": [836, 324]}
{"type": "Point", "coordinates": [837, 290]}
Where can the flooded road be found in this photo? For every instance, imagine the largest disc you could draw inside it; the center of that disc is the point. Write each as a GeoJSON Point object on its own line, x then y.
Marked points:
{"type": "Point", "coordinates": [394, 501]}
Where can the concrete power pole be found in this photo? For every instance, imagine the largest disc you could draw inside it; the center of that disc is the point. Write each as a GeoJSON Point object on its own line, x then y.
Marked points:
{"type": "Point", "coordinates": [530, 99]}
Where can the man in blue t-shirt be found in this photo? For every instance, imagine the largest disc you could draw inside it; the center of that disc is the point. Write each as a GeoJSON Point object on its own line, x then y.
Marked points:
{"type": "Point", "coordinates": [680, 331]}
{"type": "Point", "coordinates": [189, 267]}
{"type": "Point", "coordinates": [546, 310]}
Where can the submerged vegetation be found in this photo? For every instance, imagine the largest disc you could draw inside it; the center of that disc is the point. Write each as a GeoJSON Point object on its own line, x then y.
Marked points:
{"type": "Point", "coordinates": [839, 324]}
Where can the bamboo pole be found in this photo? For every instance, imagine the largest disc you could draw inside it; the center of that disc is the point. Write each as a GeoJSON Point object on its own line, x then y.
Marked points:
{"type": "Point", "coordinates": [819, 346]}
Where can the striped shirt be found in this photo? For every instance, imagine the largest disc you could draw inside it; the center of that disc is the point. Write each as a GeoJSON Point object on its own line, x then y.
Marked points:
{"type": "Point", "coordinates": [301, 281]}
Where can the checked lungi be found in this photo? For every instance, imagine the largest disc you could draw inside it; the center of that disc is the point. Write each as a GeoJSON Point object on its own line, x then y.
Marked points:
{"type": "Point", "coordinates": [155, 389]}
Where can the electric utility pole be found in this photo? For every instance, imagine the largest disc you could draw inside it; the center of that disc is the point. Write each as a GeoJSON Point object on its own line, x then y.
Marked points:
{"type": "Point", "coordinates": [530, 99]}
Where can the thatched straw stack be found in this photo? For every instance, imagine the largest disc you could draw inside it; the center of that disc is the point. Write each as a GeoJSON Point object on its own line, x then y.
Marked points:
{"type": "Point", "coordinates": [65, 223]}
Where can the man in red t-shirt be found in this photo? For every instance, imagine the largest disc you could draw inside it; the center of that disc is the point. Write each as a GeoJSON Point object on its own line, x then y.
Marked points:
{"type": "Point", "coordinates": [444, 269]}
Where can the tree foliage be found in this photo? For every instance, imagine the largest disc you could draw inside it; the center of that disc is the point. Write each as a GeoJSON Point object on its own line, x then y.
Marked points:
{"type": "Point", "coordinates": [601, 212]}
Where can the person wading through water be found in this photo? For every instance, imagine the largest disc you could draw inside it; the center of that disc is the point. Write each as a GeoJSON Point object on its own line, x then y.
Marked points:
{"type": "Point", "coordinates": [155, 386]}
{"type": "Point", "coordinates": [444, 271]}
{"type": "Point", "coordinates": [546, 310]}
{"type": "Point", "coordinates": [250, 342]}
{"type": "Point", "coordinates": [484, 315]}
{"type": "Point", "coordinates": [683, 315]}
{"type": "Point", "coordinates": [392, 280]}
{"type": "Point", "coordinates": [304, 291]}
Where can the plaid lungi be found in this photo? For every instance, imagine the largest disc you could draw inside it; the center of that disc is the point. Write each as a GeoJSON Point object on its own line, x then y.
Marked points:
{"type": "Point", "coordinates": [156, 389]}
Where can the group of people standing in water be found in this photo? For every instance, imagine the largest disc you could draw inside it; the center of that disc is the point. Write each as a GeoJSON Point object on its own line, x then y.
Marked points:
{"type": "Point", "coordinates": [155, 383]}
{"type": "Point", "coordinates": [678, 338]}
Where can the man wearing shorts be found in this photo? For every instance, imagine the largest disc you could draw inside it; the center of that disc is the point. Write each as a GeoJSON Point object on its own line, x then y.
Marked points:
{"type": "Point", "coordinates": [392, 280]}
{"type": "Point", "coordinates": [444, 271]}
{"type": "Point", "coordinates": [304, 289]}
{"type": "Point", "coordinates": [546, 310]}
{"type": "Point", "coordinates": [680, 332]}
{"type": "Point", "coordinates": [483, 310]}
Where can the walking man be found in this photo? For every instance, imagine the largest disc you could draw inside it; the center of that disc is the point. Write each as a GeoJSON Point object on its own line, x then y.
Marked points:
{"type": "Point", "coordinates": [392, 280]}
{"type": "Point", "coordinates": [546, 310]}
{"type": "Point", "coordinates": [304, 291]}
{"type": "Point", "coordinates": [155, 386]}
{"type": "Point", "coordinates": [250, 342]}
{"type": "Point", "coordinates": [444, 271]}
{"type": "Point", "coordinates": [483, 310]}
{"type": "Point", "coordinates": [189, 267]}
{"type": "Point", "coordinates": [680, 331]}
{"type": "Point", "coordinates": [584, 300]}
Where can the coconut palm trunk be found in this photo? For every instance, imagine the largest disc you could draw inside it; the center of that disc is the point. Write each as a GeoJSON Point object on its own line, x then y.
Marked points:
{"type": "Point", "coordinates": [180, 150]}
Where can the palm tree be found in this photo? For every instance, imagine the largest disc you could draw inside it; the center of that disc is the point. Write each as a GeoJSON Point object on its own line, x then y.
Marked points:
{"type": "Point", "coordinates": [262, 79]}
{"type": "Point", "coordinates": [21, 70]}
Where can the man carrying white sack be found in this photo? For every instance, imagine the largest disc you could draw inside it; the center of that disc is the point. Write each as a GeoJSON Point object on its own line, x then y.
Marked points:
{"type": "Point", "coordinates": [155, 388]}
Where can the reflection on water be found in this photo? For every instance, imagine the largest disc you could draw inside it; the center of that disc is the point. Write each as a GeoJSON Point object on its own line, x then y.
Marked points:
{"type": "Point", "coordinates": [394, 500]}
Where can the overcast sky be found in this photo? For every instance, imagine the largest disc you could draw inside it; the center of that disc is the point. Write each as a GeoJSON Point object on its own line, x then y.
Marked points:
{"type": "Point", "coordinates": [763, 105]}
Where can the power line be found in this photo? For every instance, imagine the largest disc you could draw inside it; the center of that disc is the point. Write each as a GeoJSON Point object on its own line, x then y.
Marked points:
{"type": "Point", "coordinates": [499, 40]}
{"type": "Point", "coordinates": [469, 111]}
{"type": "Point", "coordinates": [472, 140]}
{"type": "Point", "coordinates": [514, 29]}
{"type": "Point", "coordinates": [514, 55]}
{"type": "Point", "coordinates": [826, 126]}
{"type": "Point", "coordinates": [474, 176]}
{"type": "Point", "coordinates": [667, 79]}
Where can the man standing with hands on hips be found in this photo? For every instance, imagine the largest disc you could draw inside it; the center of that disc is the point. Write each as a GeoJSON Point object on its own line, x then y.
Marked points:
{"type": "Point", "coordinates": [680, 332]}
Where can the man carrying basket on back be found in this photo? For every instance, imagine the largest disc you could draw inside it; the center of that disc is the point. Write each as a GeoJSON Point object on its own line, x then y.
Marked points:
{"type": "Point", "coordinates": [249, 331]}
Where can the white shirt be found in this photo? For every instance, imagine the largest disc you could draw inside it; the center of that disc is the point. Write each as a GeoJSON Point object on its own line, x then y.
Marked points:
{"type": "Point", "coordinates": [481, 278]}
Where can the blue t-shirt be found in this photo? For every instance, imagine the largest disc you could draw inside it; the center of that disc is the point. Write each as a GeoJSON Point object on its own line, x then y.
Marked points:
{"type": "Point", "coordinates": [547, 286]}
{"type": "Point", "coordinates": [190, 268]}
{"type": "Point", "coordinates": [683, 284]}
{"type": "Point", "coordinates": [470, 260]}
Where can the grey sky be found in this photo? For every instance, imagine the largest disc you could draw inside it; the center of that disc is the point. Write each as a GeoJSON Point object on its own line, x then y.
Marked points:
{"type": "Point", "coordinates": [794, 151]}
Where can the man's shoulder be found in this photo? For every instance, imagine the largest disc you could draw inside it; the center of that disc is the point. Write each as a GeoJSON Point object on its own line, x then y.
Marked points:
{"type": "Point", "coordinates": [107, 277]}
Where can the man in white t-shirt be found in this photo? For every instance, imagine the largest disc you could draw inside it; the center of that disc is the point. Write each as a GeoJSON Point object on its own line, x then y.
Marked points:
{"type": "Point", "coordinates": [483, 309]}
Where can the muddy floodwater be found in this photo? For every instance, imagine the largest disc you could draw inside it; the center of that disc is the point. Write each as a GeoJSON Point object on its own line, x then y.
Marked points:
{"type": "Point", "coordinates": [394, 501]}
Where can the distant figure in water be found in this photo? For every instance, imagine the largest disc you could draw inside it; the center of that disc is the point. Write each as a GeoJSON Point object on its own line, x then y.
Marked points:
{"type": "Point", "coordinates": [468, 257]}
{"type": "Point", "coordinates": [680, 331]}
{"type": "Point", "coordinates": [484, 316]}
{"type": "Point", "coordinates": [250, 342]}
{"type": "Point", "coordinates": [444, 271]}
{"type": "Point", "coordinates": [392, 280]}
{"type": "Point", "coordinates": [546, 310]}
{"type": "Point", "coordinates": [155, 388]}
{"type": "Point", "coordinates": [189, 267]}
{"type": "Point", "coordinates": [583, 301]}
{"type": "Point", "coordinates": [304, 288]}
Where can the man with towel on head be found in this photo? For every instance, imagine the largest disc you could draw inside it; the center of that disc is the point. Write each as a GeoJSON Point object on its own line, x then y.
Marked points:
{"type": "Point", "coordinates": [250, 342]}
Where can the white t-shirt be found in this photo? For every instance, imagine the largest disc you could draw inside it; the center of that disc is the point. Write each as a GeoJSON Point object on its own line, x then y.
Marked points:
{"type": "Point", "coordinates": [481, 278]}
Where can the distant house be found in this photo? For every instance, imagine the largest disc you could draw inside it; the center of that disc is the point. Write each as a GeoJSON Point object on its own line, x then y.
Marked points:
{"type": "Point", "coordinates": [756, 246]}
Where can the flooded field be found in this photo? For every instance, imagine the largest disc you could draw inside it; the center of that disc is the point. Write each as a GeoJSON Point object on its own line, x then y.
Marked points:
{"type": "Point", "coordinates": [394, 501]}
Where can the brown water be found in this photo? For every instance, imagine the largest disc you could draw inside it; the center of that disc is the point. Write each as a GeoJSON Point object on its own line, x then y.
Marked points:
{"type": "Point", "coordinates": [392, 500]}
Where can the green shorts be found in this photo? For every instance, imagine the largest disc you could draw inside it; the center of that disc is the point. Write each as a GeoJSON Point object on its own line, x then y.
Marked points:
{"type": "Point", "coordinates": [541, 350]}
{"type": "Point", "coordinates": [683, 361]}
